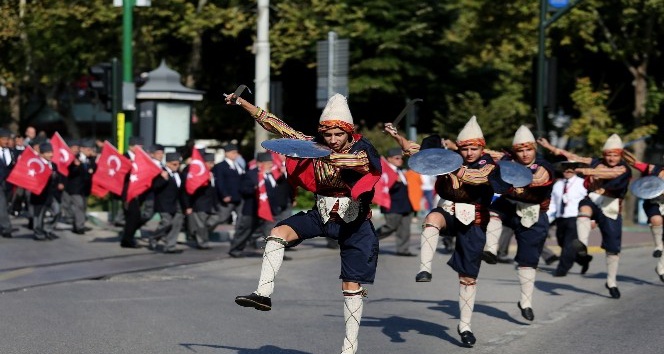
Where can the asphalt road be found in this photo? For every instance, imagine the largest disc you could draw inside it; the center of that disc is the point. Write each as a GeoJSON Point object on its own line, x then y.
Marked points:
{"type": "Point", "coordinates": [189, 308]}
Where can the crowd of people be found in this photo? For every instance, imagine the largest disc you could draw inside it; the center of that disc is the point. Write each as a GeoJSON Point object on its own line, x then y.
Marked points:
{"type": "Point", "coordinates": [474, 207]}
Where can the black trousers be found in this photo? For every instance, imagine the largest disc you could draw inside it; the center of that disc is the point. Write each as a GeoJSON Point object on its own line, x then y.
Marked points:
{"type": "Point", "coordinates": [566, 234]}
{"type": "Point", "coordinates": [133, 221]}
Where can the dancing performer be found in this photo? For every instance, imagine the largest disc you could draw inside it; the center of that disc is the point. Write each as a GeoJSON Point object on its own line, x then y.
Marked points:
{"type": "Point", "coordinates": [468, 193]}
{"type": "Point", "coordinates": [607, 180]}
{"type": "Point", "coordinates": [523, 210]}
{"type": "Point", "coordinates": [343, 183]}
{"type": "Point", "coordinates": [652, 207]}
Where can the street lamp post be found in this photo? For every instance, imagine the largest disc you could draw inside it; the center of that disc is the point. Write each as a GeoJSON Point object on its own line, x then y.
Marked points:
{"type": "Point", "coordinates": [561, 7]}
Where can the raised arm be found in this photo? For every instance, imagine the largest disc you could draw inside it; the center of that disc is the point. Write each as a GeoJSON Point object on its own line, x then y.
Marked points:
{"type": "Point", "coordinates": [639, 165]}
{"type": "Point", "coordinates": [569, 155]}
{"type": "Point", "coordinates": [408, 147]}
{"type": "Point", "coordinates": [268, 121]}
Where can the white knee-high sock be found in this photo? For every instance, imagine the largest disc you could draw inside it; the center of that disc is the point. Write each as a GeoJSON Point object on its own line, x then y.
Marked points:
{"type": "Point", "coordinates": [657, 236]}
{"type": "Point", "coordinates": [527, 281]}
{"type": "Point", "coordinates": [493, 231]}
{"type": "Point", "coordinates": [272, 259]}
{"type": "Point", "coordinates": [353, 305]}
{"type": "Point", "coordinates": [428, 245]}
{"type": "Point", "coordinates": [612, 261]}
{"type": "Point", "coordinates": [583, 226]}
{"type": "Point", "coordinates": [467, 293]}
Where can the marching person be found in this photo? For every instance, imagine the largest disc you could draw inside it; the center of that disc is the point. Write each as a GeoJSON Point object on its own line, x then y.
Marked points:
{"type": "Point", "coordinates": [343, 183]}
{"type": "Point", "coordinates": [565, 197]}
{"type": "Point", "coordinates": [652, 207]}
{"type": "Point", "coordinates": [524, 210]}
{"type": "Point", "coordinates": [7, 162]}
{"type": "Point", "coordinates": [607, 180]}
{"type": "Point", "coordinates": [398, 216]}
{"type": "Point", "coordinates": [167, 188]}
{"type": "Point", "coordinates": [263, 202]}
{"type": "Point", "coordinates": [132, 209]}
{"type": "Point", "coordinates": [78, 184]}
{"type": "Point", "coordinates": [468, 192]}
{"type": "Point", "coordinates": [200, 206]}
{"type": "Point", "coordinates": [49, 199]}
{"type": "Point", "coordinates": [227, 175]}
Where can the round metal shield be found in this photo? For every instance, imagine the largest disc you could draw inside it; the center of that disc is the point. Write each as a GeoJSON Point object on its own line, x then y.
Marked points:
{"type": "Point", "coordinates": [647, 187]}
{"type": "Point", "coordinates": [435, 161]}
{"type": "Point", "coordinates": [297, 148]}
{"type": "Point", "coordinates": [515, 173]}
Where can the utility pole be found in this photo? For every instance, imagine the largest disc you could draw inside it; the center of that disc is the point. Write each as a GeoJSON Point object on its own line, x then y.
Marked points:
{"type": "Point", "coordinates": [262, 80]}
{"type": "Point", "coordinates": [125, 120]}
{"type": "Point", "coordinates": [561, 7]}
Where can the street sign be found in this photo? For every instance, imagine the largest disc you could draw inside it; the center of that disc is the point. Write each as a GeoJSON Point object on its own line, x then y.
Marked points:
{"type": "Point", "coordinates": [332, 60]}
{"type": "Point", "coordinates": [558, 4]}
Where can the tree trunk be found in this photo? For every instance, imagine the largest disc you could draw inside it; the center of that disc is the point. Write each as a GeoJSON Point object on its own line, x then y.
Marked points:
{"type": "Point", "coordinates": [640, 96]}
{"type": "Point", "coordinates": [15, 109]}
{"type": "Point", "coordinates": [194, 66]}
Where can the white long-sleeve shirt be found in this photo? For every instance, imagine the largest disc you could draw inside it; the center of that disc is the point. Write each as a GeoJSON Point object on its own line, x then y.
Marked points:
{"type": "Point", "coordinates": [571, 193]}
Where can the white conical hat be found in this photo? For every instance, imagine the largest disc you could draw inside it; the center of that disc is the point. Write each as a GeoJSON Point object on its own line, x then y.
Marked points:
{"type": "Point", "coordinates": [613, 142]}
{"type": "Point", "coordinates": [337, 109]}
{"type": "Point", "coordinates": [470, 131]}
{"type": "Point", "coordinates": [523, 135]}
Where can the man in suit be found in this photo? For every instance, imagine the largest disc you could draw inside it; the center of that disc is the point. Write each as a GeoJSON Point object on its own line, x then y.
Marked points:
{"type": "Point", "coordinates": [227, 174]}
{"type": "Point", "coordinates": [7, 162]}
{"type": "Point", "coordinates": [256, 185]}
{"type": "Point", "coordinates": [397, 217]}
{"type": "Point", "coordinates": [132, 210]}
{"type": "Point", "coordinates": [48, 200]}
{"type": "Point", "coordinates": [167, 189]}
{"type": "Point", "coordinates": [201, 207]}
{"type": "Point", "coordinates": [78, 184]}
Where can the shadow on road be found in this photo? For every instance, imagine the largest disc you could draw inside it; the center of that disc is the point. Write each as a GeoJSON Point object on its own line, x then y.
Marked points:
{"type": "Point", "coordinates": [394, 326]}
{"type": "Point", "coordinates": [266, 349]}
{"type": "Point", "coordinates": [552, 288]}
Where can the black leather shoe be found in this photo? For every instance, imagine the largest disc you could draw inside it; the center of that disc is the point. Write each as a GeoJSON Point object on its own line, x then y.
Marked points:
{"type": "Point", "coordinates": [489, 257]}
{"type": "Point", "coordinates": [657, 254]}
{"type": "Point", "coordinates": [551, 260]}
{"type": "Point", "coordinates": [78, 232]}
{"type": "Point", "coordinates": [173, 251]}
{"type": "Point", "coordinates": [130, 245]}
{"type": "Point", "coordinates": [39, 238]}
{"type": "Point", "coordinates": [585, 263]}
{"type": "Point", "coordinates": [661, 277]}
{"type": "Point", "coordinates": [7, 235]}
{"type": "Point", "coordinates": [152, 243]}
{"type": "Point", "coordinates": [559, 273]}
{"type": "Point", "coordinates": [236, 254]}
{"type": "Point", "coordinates": [423, 277]}
{"type": "Point", "coordinates": [406, 254]}
{"type": "Point", "coordinates": [527, 312]}
{"type": "Point", "coordinates": [261, 303]}
{"type": "Point", "coordinates": [614, 292]}
{"type": "Point", "coordinates": [52, 236]}
{"type": "Point", "coordinates": [504, 260]}
{"type": "Point", "coordinates": [467, 338]}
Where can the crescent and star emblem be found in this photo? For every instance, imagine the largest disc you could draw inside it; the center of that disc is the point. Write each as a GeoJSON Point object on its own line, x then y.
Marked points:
{"type": "Point", "coordinates": [64, 155]}
{"type": "Point", "coordinates": [32, 172]}
{"type": "Point", "coordinates": [201, 169]}
{"type": "Point", "coordinates": [109, 163]}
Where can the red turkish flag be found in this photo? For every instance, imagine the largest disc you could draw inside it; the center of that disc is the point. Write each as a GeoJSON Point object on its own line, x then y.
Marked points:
{"type": "Point", "coordinates": [264, 211]}
{"type": "Point", "coordinates": [30, 172]}
{"type": "Point", "coordinates": [112, 168]}
{"type": "Point", "coordinates": [62, 155]}
{"type": "Point", "coordinates": [143, 171]}
{"type": "Point", "coordinates": [198, 174]}
{"type": "Point", "coordinates": [386, 181]}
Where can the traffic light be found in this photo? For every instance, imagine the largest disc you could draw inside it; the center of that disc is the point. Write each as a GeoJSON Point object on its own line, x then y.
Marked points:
{"type": "Point", "coordinates": [101, 83]}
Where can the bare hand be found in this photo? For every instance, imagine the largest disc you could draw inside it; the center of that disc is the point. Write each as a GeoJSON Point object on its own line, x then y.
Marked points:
{"type": "Point", "coordinates": [391, 129]}
{"type": "Point", "coordinates": [449, 144]}
{"type": "Point", "coordinates": [188, 211]}
{"type": "Point", "coordinates": [545, 143]}
{"type": "Point", "coordinates": [164, 174]}
{"type": "Point", "coordinates": [61, 186]}
{"type": "Point", "coordinates": [232, 99]}
{"type": "Point", "coordinates": [227, 199]}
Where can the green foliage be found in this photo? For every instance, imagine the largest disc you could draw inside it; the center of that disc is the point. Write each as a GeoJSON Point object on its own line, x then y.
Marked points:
{"type": "Point", "coordinates": [595, 124]}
